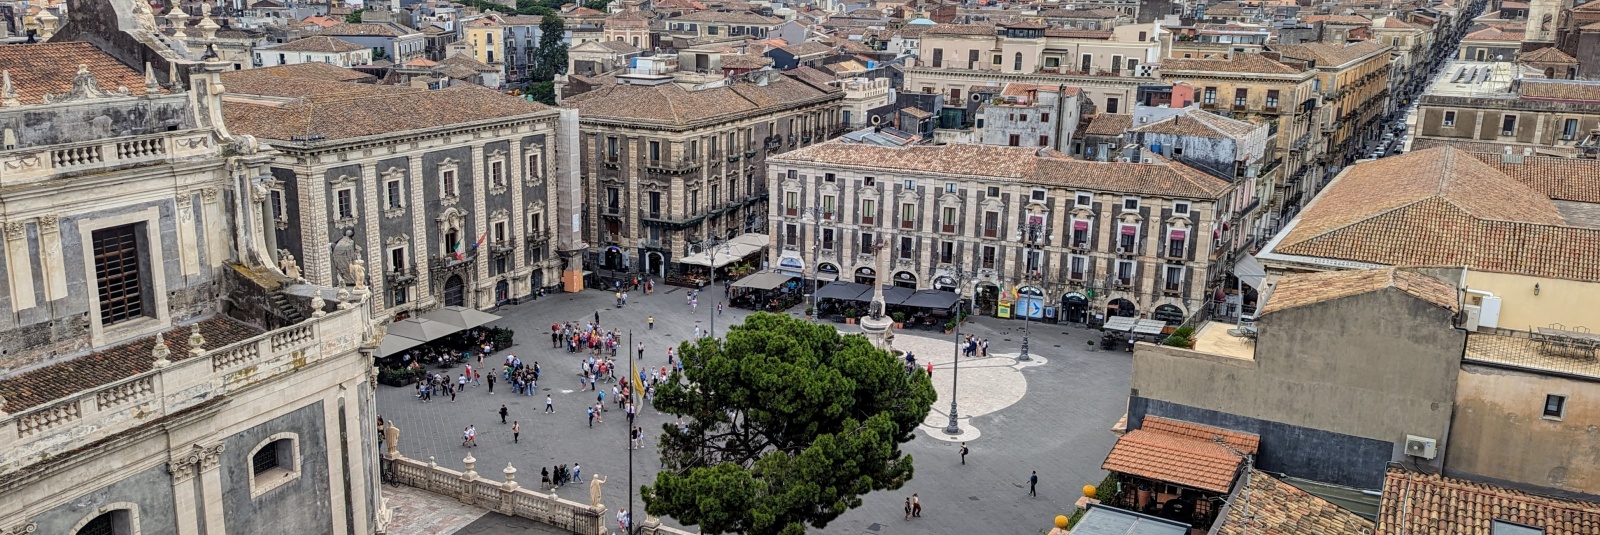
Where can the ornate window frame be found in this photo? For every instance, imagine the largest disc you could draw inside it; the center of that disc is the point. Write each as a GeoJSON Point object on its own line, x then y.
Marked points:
{"type": "Point", "coordinates": [129, 524]}
{"type": "Point", "coordinates": [494, 158]}
{"type": "Point", "coordinates": [391, 208]}
{"type": "Point", "coordinates": [279, 476]}
{"type": "Point", "coordinates": [449, 192]}
{"type": "Point", "coordinates": [533, 156]}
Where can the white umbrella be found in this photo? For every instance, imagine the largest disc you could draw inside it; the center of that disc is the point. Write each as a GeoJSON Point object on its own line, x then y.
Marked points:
{"type": "Point", "coordinates": [461, 317]}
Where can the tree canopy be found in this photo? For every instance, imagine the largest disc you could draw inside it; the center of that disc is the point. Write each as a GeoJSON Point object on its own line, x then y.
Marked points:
{"type": "Point", "coordinates": [550, 58]}
{"type": "Point", "coordinates": [786, 424]}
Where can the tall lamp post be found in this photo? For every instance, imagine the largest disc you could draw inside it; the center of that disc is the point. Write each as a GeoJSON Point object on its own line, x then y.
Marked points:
{"type": "Point", "coordinates": [712, 246]}
{"type": "Point", "coordinates": [815, 215]}
{"type": "Point", "coordinates": [954, 428]}
{"type": "Point", "coordinates": [1030, 231]}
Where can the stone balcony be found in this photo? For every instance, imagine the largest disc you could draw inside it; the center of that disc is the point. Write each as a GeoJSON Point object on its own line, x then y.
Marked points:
{"type": "Point", "coordinates": [44, 431]}
{"type": "Point", "coordinates": [34, 164]}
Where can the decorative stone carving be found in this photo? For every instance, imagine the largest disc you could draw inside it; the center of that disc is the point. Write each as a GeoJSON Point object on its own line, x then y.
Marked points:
{"type": "Point", "coordinates": [8, 92]}
{"type": "Point", "coordinates": [196, 341]}
{"type": "Point", "coordinates": [343, 295]}
{"type": "Point", "coordinates": [181, 471]}
{"type": "Point", "coordinates": [16, 230]}
{"type": "Point", "coordinates": [160, 352]}
{"type": "Point", "coordinates": [22, 529]}
{"type": "Point", "coordinates": [391, 441]}
{"type": "Point", "coordinates": [342, 180]}
{"type": "Point", "coordinates": [596, 488]}
{"type": "Point", "coordinates": [345, 253]}
{"type": "Point", "coordinates": [211, 456]}
{"type": "Point", "coordinates": [208, 194]}
{"type": "Point", "coordinates": [24, 162]}
{"type": "Point", "coordinates": [397, 241]}
{"type": "Point", "coordinates": [318, 305]}
{"type": "Point", "coordinates": [84, 87]}
{"type": "Point", "coordinates": [358, 273]}
{"type": "Point", "coordinates": [288, 265]}
{"type": "Point", "coordinates": [48, 223]}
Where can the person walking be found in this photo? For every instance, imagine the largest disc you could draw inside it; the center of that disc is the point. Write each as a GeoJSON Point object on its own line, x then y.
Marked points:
{"type": "Point", "coordinates": [963, 453]}
{"type": "Point", "coordinates": [719, 308]}
{"type": "Point", "coordinates": [1033, 483]}
{"type": "Point", "coordinates": [652, 321]}
{"type": "Point", "coordinates": [908, 508]}
{"type": "Point", "coordinates": [516, 432]}
{"type": "Point", "coordinates": [491, 383]}
{"type": "Point", "coordinates": [641, 350]}
{"type": "Point", "coordinates": [591, 417]}
{"type": "Point", "coordinates": [599, 407]}
{"type": "Point", "coordinates": [916, 506]}
{"type": "Point", "coordinates": [549, 408]}
{"type": "Point", "coordinates": [503, 413]}
{"type": "Point", "coordinates": [466, 437]}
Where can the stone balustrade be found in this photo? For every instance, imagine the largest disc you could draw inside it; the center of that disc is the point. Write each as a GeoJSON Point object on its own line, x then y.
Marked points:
{"type": "Point", "coordinates": [507, 497]}
{"type": "Point", "coordinates": [42, 432]}
{"type": "Point", "coordinates": [33, 164]}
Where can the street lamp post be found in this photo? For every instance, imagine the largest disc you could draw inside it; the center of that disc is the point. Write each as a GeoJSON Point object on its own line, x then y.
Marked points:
{"type": "Point", "coordinates": [1030, 236]}
{"type": "Point", "coordinates": [712, 245]}
{"type": "Point", "coordinates": [814, 216]}
{"type": "Point", "coordinates": [954, 428]}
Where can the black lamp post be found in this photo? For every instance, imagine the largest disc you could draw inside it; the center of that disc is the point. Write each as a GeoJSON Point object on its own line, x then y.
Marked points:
{"type": "Point", "coordinates": [954, 428]}
{"type": "Point", "coordinates": [1030, 236]}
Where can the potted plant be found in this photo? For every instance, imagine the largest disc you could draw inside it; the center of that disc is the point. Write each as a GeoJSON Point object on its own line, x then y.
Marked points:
{"type": "Point", "coordinates": [810, 311]}
{"type": "Point", "coordinates": [949, 326]}
{"type": "Point", "coordinates": [850, 316]}
{"type": "Point", "coordinates": [899, 319]}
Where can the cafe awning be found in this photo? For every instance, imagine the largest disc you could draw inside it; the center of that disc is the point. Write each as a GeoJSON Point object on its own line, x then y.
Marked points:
{"type": "Point", "coordinates": [934, 299]}
{"type": "Point", "coordinates": [845, 290]}
{"type": "Point", "coordinates": [732, 251]}
{"type": "Point", "coordinates": [892, 295]}
{"type": "Point", "coordinates": [1121, 323]}
{"type": "Point", "coordinates": [1149, 326]}
{"type": "Point", "coordinates": [423, 329]}
{"type": "Point", "coordinates": [460, 317]}
{"type": "Point", "coordinates": [766, 280]}
{"type": "Point", "coordinates": [393, 344]}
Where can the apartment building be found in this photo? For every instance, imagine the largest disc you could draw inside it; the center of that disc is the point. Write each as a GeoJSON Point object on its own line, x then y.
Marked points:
{"type": "Point", "coordinates": [1031, 115]}
{"type": "Point", "coordinates": [1353, 78]}
{"type": "Point", "coordinates": [1482, 107]}
{"type": "Point", "coordinates": [1284, 95]}
{"type": "Point", "coordinates": [1095, 238]}
{"type": "Point", "coordinates": [1106, 65]}
{"type": "Point", "coordinates": [666, 169]}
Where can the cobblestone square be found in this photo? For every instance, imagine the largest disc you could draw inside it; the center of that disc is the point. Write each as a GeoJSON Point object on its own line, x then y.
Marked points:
{"type": "Point", "coordinates": [1052, 415]}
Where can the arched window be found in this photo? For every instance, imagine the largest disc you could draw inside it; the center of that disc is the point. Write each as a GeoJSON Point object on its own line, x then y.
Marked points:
{"type": "Point", "coordinates": [120, 518]}
{"type": "Point", "coordinates": [1016, 62]}
{"type": "Point", "coordinates": [274, 462]}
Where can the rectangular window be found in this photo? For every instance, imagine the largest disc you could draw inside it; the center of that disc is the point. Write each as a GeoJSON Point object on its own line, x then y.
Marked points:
{"type": "Point", "coordinates": [827, 239]}
{"type": "Point", "coordinates": [345, 199]}
{"type": "Point", "coordinates": [1080, 233]}
{"type": "Point", "coordinates": [791, 203]}
{"type": "Point", "coordinates": [1449, 118]}
{"type": "Point", "coordinates": [1569, 130]}
{"type": "Point", "coordinates": [1015, 140]}
{"type": "Point", "coordinates": [1209, 97]}
{"type": "Point", "coordinates": [1044, 141]}
{"type": "Point", "coordinates": [1130, 204]}
{"type": "Point", "coordinates": [993, 191]}
{"type": "Point", "coordinates": [277, 205]}
{"type": "Point", "coordinates": [1079, 268]}
{"type": "Point", "coordinates": [497, 174]}
{"type": "Point", "coordinates": [1116, 64]}
{"type": "Point", "coordinates": [947, 222]}
{"type": "Point", "coordinates": [447, 183]}
{"type": "Point", "coordinates": [1180, 208]}
{"type": "Point", "coordinates": [1044, 117]}
{"type": "Point", "coordinates": [955, 94]}
{"type": "Point", "coordinates": [907, 247]}
{"type": "Point", "coordinates": [499, 234]}
{"type": "Point", "coordinates": [1241, 96]}
{"type": "Point", "coordinates": [611, 149]}
{"type": "Point", "coordinates": [911, 185]}
{"type": "Point", "coordinates": [869, 209]}
{"type": "Point", "coordinates": [991, 224]}
{"type": "Point", "coordinates": [908, 215]}
{"type": "Point", "coordinates": [828, 177]}
{"type": "Point", "coordinates": [118, 273]}
{"type": "Point", "coordinates": [791, 234]}
{"type": "Point", "coordinates": [392, 192]}
{"type": "Point", "coordinates": [938, 59]}
{"type": "Point", "coordinates": [655, 204]}
{"type": "Point", "coordinates": [613, 200]}
{"type": "Point", "coordinates": [1085, 199]}
{"type": "Point", "coordinates": [1172, 281]}
{"type": "Point", "coordinates": [655, 151]}
{"type": "Point", "coordinates": [868, 181]}
{"type": "Point", "coordinates": [1272, 100]}
{"type": "Point", "coordinates": [397, 259]}
{"type": "Point", "coordinates": [1111, 105]}
{"type": "Point", "coordinates": [1125, 272]}
{"type": "Point", "coordinates": [949, 187]}
{"type": "Point", "coordinates": [996, 59]}
{"type": "Point", "coordinates": [1176, 241]}
{"type": "Point", "coordinates": [1127, 239]}
{"type": "Point", "coordinates": [827, 207]}
{"type": "Point", "coordinates": [988, 257]}
{"type": "Point", "coordinates": [864, 245]}
{"type": "Point", "coordinates": [1508, 125]}
{"type": "Point", "coordinates": [1035, 258]}
{"type": "Point", "coordinates": [1555, 406]}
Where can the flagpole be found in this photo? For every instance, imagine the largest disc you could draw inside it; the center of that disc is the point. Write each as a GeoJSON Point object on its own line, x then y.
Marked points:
{"type": "Point", "coordinates": [631, 360]}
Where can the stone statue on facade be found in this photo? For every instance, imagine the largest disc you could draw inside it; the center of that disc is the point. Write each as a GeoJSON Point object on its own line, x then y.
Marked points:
{"type": "Point", "coordinates": [594, 490]}
{"type": "Point", "coordinates": [358, 273]}
{"type": "Point", "coordinates": [345, 254]}
{"type": "Point", "coordinates": [391, 440]}
{"type": "Point", "coordinates": [288, 265]}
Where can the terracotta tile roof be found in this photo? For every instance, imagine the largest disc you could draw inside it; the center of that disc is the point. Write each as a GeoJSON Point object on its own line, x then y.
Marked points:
{"type": "Point", "coordinates": [1018, 163]}
{"type": "Point", "coordinates": [1394, 23]}
{"type": "Point", "coordinates": [744, 61]}
{"type": "Point", "coordinates": [1278, 508]}
{"type": "Point", "coordinates": [1339, 19]}
{"type": "Point", "coordinates": [619, 47]}
{"type": "Point", "coordinates": [1182, 459]}
{"type": "Point", "coordinates": [1493, 34]}
{"type": "Point", "coordinates": [1562, 179]}
{"type": "Point", "coordinates": [1590, 7]}
{"type": "Point", "coordinates": [1334, 54]}
{"type": "Point", "coordinates": [365, 29]}
{"type": "Point", "coordinates": [338, 110]}
{"type": "Point", "coordinates": [672, 104]}
{"type": "Point", "coordinates": [734, 17]}
{"type": "Point", "coordinates": [1241, 64]}
{"type": "Point", "coordinates": [1450, 175]}
{"type": "Point", "coordinates": [1199, 123]}
{"type": "Point", "coordinates": [1425, 503]}
{"type": "Point", "coordinates": [962, 29]}
{"type": "Point", "coordinates": [1560, 90]}
{"type": "Point", "coordinates": [1300, 289]}
{"type": "Point", "coordinates": [308, 71]}
{"type": "Point", "coordinates": [1020, 89]}
{"type": "Point", "coordinates": [1436, 210]}
{"type": "Point", "coordinates": [1109, 124]}
{"type": "Point", "coordinates": [1248, 443]}
{"type": "Point", "coordinates": [807, 48]}
{"type": "Point", "coordinates": [62, 379]}
{"type": "Point", "coordinates": [1096, 13]}
{"type": "Point", "coordinates": [48, 69]}
{"type": "Point", "coordinates": [322, 22]}
{"type": "Point", "coordinates": [1525, 353]}
{"type": "Point", "coordinates": [317, 43]}
{"type": "Point", "coordinates": [1547, 54]}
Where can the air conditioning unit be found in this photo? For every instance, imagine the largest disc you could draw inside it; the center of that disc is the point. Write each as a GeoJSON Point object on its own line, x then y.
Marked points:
{"type": "Point", "coordinates": [1144, 71]}
{"type": "Point", "coordinates": [1421, 447]}
{"type": "Point", "coordinates": [1470, 315]}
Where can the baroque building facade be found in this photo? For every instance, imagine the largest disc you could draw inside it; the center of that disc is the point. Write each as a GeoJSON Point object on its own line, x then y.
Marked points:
{"type": "Point", "coordinates": [1096, 238]}
{"type": "Point", "coordinates": [146, 384]}
{"type": "Point", "coordinates": [666, 169]}
{"type": "Point", "coordinates": [447, 196]}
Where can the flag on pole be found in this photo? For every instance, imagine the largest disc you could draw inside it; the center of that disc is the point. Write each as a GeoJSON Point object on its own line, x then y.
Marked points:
{"type": "Point", "coordinates": [482, 237]}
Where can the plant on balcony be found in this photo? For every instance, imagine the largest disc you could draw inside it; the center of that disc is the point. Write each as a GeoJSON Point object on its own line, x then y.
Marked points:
{"type": "Point", "coordinates": [1182, 337]}
{"type": "Point", "coordinates": [850, 315]}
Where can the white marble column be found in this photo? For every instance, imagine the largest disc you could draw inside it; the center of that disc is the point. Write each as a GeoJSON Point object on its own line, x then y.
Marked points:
{"type": "Point", "coordinates": [19, 267]}
{"type": "Point", "coordinates": [211, 488]}
{"type": "Point", "coordinates": [183, 498]}
{"type": "Point", "coordinates": [188, 242]}
{"type": "Point", "coordinates": [50, 259]}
